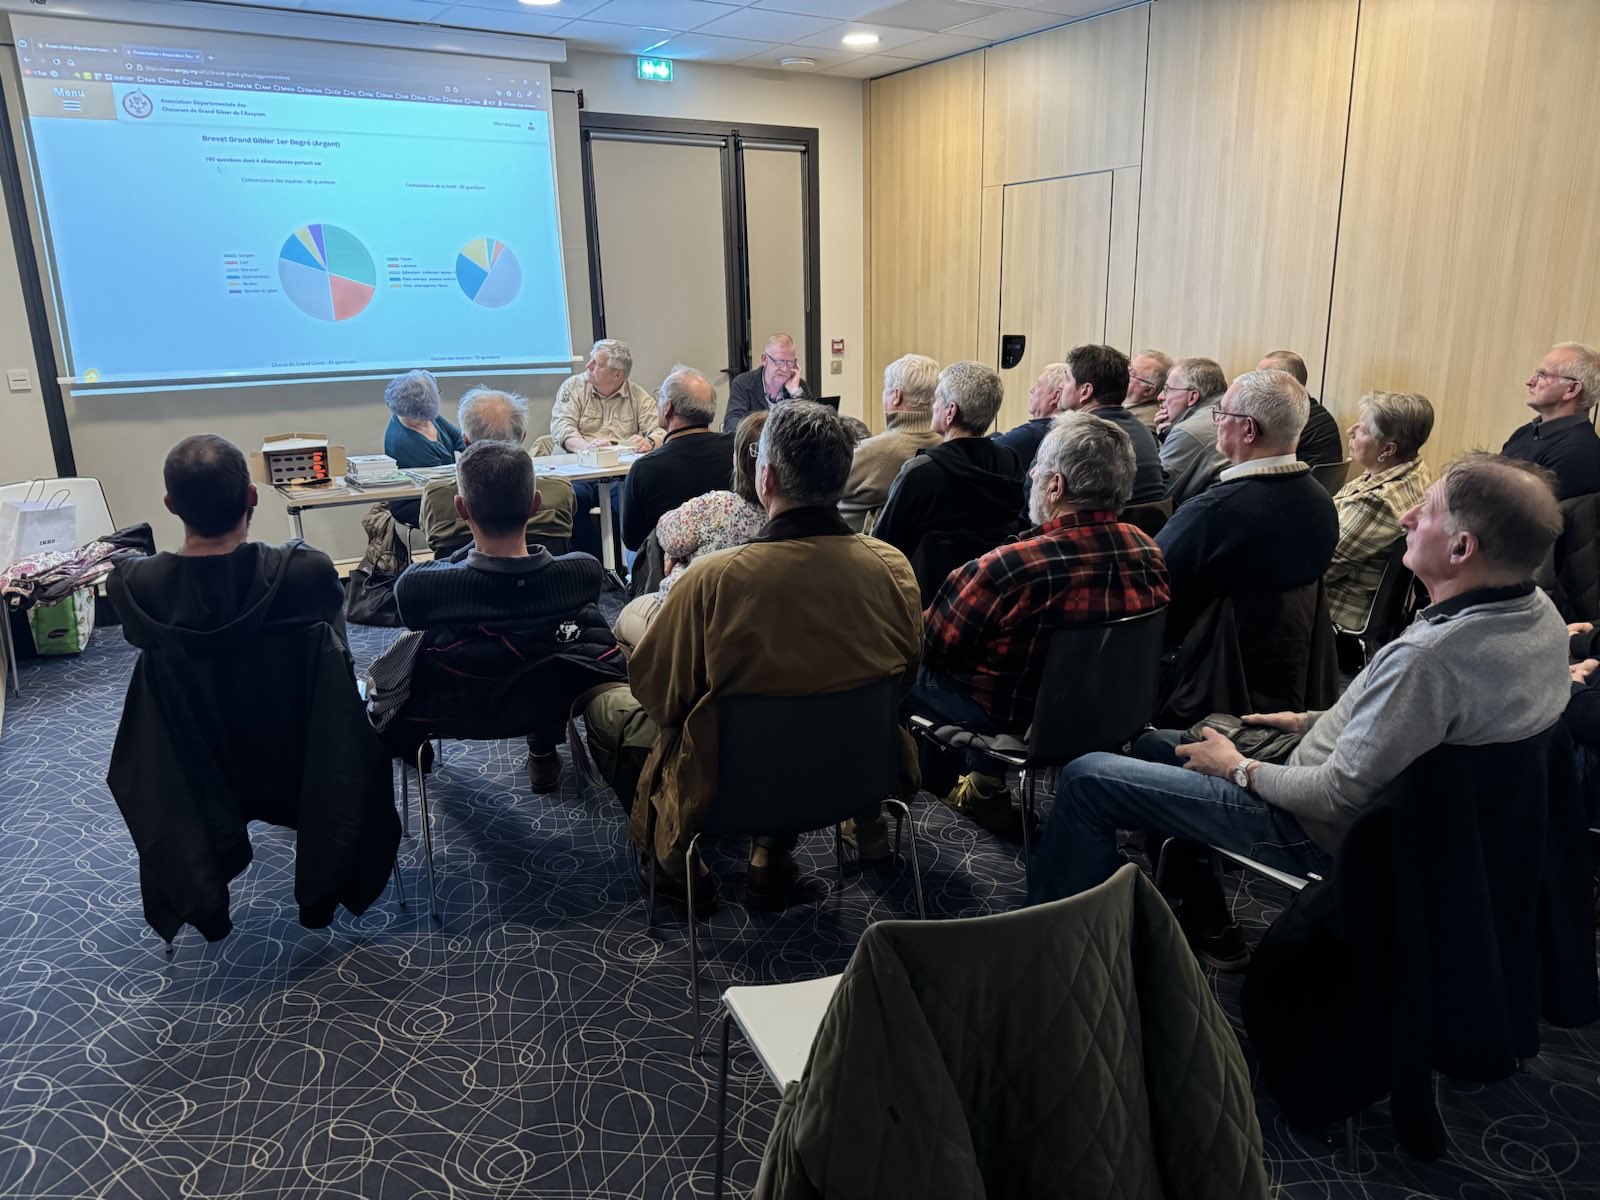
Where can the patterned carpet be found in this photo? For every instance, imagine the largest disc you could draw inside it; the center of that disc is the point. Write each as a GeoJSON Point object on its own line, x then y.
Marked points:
{"type": "Point", "coordinates": [531, 1046]}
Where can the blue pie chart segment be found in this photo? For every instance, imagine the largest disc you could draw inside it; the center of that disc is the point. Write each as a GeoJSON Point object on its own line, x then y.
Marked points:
{"type": "Point", "coordinates": [488, 272]}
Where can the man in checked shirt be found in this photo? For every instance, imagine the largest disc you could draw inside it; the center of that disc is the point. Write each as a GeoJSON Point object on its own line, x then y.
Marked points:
{"type": "Point", "coordinates": [989, 626]}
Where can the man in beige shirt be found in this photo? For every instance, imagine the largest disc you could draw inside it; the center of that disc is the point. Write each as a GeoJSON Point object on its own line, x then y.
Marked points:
{"type": "Point", "coordinates": [603, 407]}
{"type": "Point", "coordinates": [908, 385]}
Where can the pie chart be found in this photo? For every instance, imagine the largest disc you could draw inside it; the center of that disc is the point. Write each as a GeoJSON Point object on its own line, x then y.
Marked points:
{"type": "Point", "coordinates": [327, 272]}
{"type": "Point", "coordinates": [488, 272]}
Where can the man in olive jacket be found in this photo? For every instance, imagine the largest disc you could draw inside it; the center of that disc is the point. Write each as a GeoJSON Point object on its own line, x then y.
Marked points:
{"type": "Point", "coordinates": [758, 619]}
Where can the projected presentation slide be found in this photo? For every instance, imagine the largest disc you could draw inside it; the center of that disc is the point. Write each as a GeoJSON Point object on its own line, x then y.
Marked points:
{"type": "Point", "coordinates": [227, 207]}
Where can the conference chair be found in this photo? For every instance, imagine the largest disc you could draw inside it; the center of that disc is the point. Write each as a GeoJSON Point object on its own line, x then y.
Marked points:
{"type": "Point", "coordinates": [933, 1063]}
{"type": "Point", "coordinates": [1570, 573]}
{"type": "Point", "coordinates": [1099, 690]}
{"type": "Point", "coordinates": [1332, 476]}
{"type": "Point", "coordinates": [1149, 518]}
{"type": "Point", "coordinates": [788, 765]}
{"type": "Point", "coordinates": [1393, 602]}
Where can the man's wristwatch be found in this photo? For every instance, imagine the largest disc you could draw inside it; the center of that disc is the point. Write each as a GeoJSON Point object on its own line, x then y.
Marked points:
{"type": "Point", "coordinates": [1241, 773]}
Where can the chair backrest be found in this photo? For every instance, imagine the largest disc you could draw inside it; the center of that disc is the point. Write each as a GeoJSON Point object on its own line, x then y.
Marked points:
{"type": "Point", "coordinates": [84, 492]}
{"type": "Point", "coordinates": [1391, 600]}
{"type": "Point", "coordinates": [791, 764]}
{"type": "Point", "coordinates": [1332, 475]}
{"type": "Point", "coordinates": [1149, 518]}
{"type": "Point", "coordinates": [1099, 688]}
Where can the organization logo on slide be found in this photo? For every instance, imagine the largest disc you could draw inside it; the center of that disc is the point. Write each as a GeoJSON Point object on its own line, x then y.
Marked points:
{"type": "Point", "coordinates": [488, 272]}
{"type": "Point", "coordinates": [326, 272]}
{"type": "Point", "coordinates": [137, 104]}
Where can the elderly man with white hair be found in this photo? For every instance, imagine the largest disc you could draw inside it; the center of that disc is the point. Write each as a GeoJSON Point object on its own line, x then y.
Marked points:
{"type": "Point", "coordinates": [908, 385]}
{"type": "Point", "coordinates": [690, 462]}
{"type": "Point", "coordinates": [989, 626]}
{"type": "Point", "coordinates": [1266, 526]}
{"type": "Point", "coordinates": [1482, 665]}
{"type": "Point", "coordinates": [491, 415]}
{"type": "Point", "coordinates": [1147, 375]}
{"type": "Point", "coordinates": [1044, 401]}
{"type": "Point", "coordinates": [1561, 437]}
{"type": "Point", "coordinates": [602, 406]}
{"type": "Point", "coordinates": [775, 380]}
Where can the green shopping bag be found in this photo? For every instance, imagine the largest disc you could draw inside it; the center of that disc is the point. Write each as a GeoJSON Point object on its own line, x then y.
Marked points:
{"type": "Point", "coordinates": [65, 626]}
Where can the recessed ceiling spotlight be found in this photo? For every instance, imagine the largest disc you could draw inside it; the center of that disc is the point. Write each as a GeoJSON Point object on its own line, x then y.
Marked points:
{"type": "Point", "coordinates": [797, 62]}
{"type": "Point", "coordinates": [860, 39]}
{"type": "Point", "coordinates": [541, 3]}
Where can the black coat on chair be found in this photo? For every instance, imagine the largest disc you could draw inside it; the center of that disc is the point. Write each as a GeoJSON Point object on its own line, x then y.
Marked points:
{"type": "Point", "coordinates": [1457, 913]}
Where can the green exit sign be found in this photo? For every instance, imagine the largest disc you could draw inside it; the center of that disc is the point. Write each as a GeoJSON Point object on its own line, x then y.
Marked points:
{"type": "Point", "coordinates": [656, 70]}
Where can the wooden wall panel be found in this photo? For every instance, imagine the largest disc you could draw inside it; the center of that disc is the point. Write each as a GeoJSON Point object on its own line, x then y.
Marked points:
{"type": "Point", "coordinates": [1066, 102]}
{"type": "Point", "coordinates": [924, 207]}
{"type": "Point", "coordinates": [989, 266]}
{"type": "Point", "coordinates": [1124, 248]}
{"type": "Point", "coordinates": [1246, 112]}
{"type": "Point", "coordinates": [1470, 238]}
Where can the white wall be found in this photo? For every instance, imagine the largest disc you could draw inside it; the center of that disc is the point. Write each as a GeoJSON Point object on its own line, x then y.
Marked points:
{"type": "Point", "coordinates": [122, 439]}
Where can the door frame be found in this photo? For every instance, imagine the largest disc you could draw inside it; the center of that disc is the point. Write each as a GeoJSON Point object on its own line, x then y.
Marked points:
{"type": "Point", "coordinates": [729, 139]}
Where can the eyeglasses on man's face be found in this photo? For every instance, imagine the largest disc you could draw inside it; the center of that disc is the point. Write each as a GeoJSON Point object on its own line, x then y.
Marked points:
{"type": "Point", "coordinates": [1547, 376]}
{"type": "Point", "coordinates": [786, 363]}
{"type": "Point", "coordinates": [1179, 391]}
{"type": "Point", "coordinates": [1150, 383]}
{"type": "Point", "coordinates": [1218, 413]}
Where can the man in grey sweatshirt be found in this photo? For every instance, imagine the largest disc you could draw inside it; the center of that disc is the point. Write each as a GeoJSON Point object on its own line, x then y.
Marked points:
{"type": "Point", "coordinates": [1485, 663]}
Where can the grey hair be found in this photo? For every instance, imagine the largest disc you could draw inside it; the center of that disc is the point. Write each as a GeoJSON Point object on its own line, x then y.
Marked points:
{"type": "Point", "coordinates": [808, 450]}
{"type": "Point", "coordinates": [1055, 375]}
{"type": "Point", "coordinates": [1203, 375]}
{"type": "Point", "coordinates": [916, 375]}
{"type": "Point", "coordinates": [675, 390]}
{"type": "Point", "coordinates": [976, 392]}
{"type": "Point", "coordinates": [1287, 361]}
{"type": "Point", "coordinates": [1094, 459]}
{"type": "Point", "coordinates": [615, 353]}
{"type": "Point", "coordinates": [414, 394]}
{"type": "Point", "coordinates": [1276, 402]}
{"type": "Point", "coordinates": [1508, 505]}
{"type": "Point", "coordinates": [490, 415]}
{"type": "Point", "coordinates": [1586, 370]}
{"type": "Point", "coordinates": [1162, 359]}
{"type": "Point", "coordinates": [1404, 418]}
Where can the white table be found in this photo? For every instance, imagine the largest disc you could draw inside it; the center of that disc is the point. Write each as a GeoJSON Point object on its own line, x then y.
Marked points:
{"type": "Point", "coordinates": [340, 495]}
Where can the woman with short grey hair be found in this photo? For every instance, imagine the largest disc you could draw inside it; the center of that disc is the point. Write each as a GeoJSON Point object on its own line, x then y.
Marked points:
{"type": "Point", "coordinates": [417, 436]}
{"type": "Point", "coordinates": [1385, 441]}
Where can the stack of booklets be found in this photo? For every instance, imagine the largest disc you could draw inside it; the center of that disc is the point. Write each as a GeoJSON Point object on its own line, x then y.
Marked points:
{"type": "Point", "coordinates": [422, 476]}
{"type": "Point", "coordinates": [374, 471]}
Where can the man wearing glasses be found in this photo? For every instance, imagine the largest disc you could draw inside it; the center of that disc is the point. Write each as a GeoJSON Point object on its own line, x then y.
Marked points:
{"type": "Point", "coordinates": [1561, 437]}
{"type": "Point", "coordinates": [775, 380]}
{"type": "Point", "coordinates": [1146, 375]}
{"type": "Point", "coordinates": [1189, 454]}
{"type": "Point", "coordinates": [1266, 526]}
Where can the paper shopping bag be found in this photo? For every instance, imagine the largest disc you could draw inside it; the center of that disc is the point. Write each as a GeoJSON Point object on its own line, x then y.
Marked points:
{"type": "Point", "coordinates": [29, 527]}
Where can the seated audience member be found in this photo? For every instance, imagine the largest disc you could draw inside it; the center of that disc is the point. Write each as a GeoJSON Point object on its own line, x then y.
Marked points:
{"type": "Point", "coordinates": [603, 407]}
{"type": "Point", "coordinates": [989, 627]}
{"type": "Point", "coordinates": [417, 436]}
{"type": "Point", "coordinates": [1560, 438]}
{"type": "Point", "coordinates": [1044, 401]}
{"type": "Point", "coordinates": [714, 521]}
{"type": "Point", "coordinates": [1147, 375]}
{"type": "Point", "coordinates": [1320, 442]}
{"type": "Point", "coordinates": [221, 583]}
{"type": "Point", "coordinates": [1266, 525]}
{"type": "Point", "coordinates": [1482, 665]}
{"type": "Point", "coordinates": [691, 461]}
{"type": "Point", "coordinates": [522, 604]}
{"type": "Point", "coordinates": [966, 484]}
{"type": "Point", "coordinates": [487, 415]}
{"type": "Point", "coordinates": [908, 384]}
{"type": "Point", "coordinates": [1384, 442]}
{"type": "Point", "coordinates": [1189, 453]}
{"type": "Point", "coordinates": [1097, 379]}
{"type": "Point", "coordinates": [775, 380]}
{"type": "Point", "coordinates": [778, 604]}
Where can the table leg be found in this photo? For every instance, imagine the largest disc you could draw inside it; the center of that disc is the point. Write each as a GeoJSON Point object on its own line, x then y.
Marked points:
{"type": "Point", "coordinates": [296, 529]}
{"type": "Point", "coordinates": [609, 559]}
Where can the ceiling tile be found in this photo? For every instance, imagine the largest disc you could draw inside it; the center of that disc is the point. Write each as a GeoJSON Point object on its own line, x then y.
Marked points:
{"type": "Point", "coordinates": [932, 16]}
{"type": "Point", "coordinates": [1071, 8]}
{"type": "Point", "coordinates": [824, 59]}
{"type": "Point", "coordinates": [661, 14]}
{"type": "Point", "coordinates": [1009, 24]}
{"type": "Point", "coordinates": [397, 10]}
{"type": "Point", "coordinates": [566, 10]}
{"type": "Point", "coordinates": [940, 45]}
{"type": "Point", "coordinates": [702, 47]}
{"type": "Point", "coordinates": [838, 10]}
{"type": "Point", "coordinates": [500, 20]}
{"type": "Point", "coordinates": [765, 25]}
{"type": "Point", "coordinates": [888, 38]}
{"type": "Point", "coordinates": [868, 66]}
{"type": "Point", "coordinates": [617, 39]}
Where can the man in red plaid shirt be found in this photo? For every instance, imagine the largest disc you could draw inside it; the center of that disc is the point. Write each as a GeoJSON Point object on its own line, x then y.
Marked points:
{"type": "Point", "coordinates": [988, 628]}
